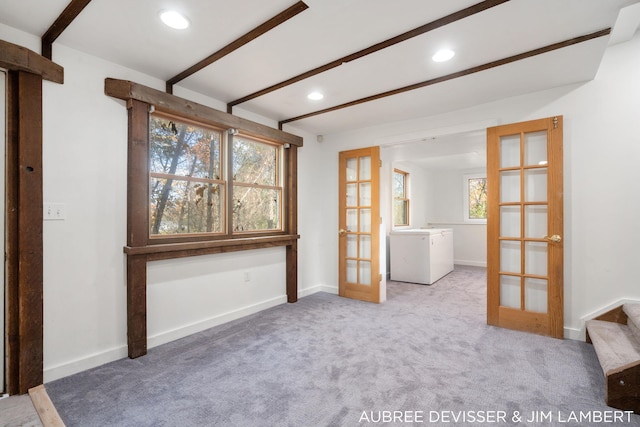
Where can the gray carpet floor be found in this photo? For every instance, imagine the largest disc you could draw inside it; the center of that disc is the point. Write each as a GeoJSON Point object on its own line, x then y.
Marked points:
{"type": "Point", "coordinates": [331, 361]}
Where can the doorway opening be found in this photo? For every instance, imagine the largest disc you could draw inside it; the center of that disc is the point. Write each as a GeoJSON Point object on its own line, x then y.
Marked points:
{"type": "Point", "coordinates": [437, 166]}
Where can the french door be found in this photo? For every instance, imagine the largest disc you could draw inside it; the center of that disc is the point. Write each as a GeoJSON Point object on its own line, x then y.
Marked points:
{"type": "Point", "coordinates": [359, 223]}
{"type": "Point", "coordinates": [525, 227]}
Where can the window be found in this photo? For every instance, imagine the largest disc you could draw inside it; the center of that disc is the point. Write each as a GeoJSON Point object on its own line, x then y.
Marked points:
{"type": "Point", "coordinates": [400, 198]}
{"type": "Point", "coordinates": [186, 191]}
{"type": "Point", "coordinates": [257, 189]}
{"type": "Point", "coordinates": [188, 180]}
{"type": "Point", "coordinates": [475, 198]}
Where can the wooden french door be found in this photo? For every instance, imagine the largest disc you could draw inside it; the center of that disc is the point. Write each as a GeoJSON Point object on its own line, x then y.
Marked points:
{"type": "Point", "coordinates": [359, 233]}
{"type": "Point", "coordinates": [525, 227]}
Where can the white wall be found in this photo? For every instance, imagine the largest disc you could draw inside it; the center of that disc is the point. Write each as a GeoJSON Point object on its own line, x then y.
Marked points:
{"type": "Point", "coordinates": [601, 157]}
{"type": "Point", "coordinates": [469, 239]}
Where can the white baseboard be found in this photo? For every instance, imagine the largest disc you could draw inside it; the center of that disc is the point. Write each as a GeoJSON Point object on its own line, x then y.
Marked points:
{"type": "Point", "coordinates": [82, 364]}
{"type": "Point", "coordinates": [574, 334]}
{"type": "Point", "coordinates": [318, 288]}
{"type": "Point", "coordinates": [470, 263]}
{"type": "Point", "coordinates": [93, 360]}
{"type": "Point", "coordinates": [183, 331]}
{"type": "Point", "coordinates": [606, 308]}
{"type": "Point", "coordinates": [580, 334]}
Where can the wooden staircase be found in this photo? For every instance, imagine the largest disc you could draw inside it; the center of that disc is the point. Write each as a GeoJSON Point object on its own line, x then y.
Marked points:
{"type": "Point", "coordinates": [615, 336]}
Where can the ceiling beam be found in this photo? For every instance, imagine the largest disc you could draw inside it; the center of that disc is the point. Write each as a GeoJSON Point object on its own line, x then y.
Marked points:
{"type": "Point", "coordinates": [456, 75]}
{"type": "Point", "coordinates": [64, 20]}
{"type": "Point", "coordinates": [239, 42]}
{"type": "Point", "coordinates": [456, 16]}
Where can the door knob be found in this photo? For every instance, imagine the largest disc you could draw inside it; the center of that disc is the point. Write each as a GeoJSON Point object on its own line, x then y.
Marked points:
{"type": "Point", "coordinates": [342, 231]}
{"type": "Point", "coordinates": [555, 238]}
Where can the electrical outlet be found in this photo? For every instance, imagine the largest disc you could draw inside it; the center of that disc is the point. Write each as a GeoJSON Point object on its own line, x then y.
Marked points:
{"type": "Point", "coordinates": [54, 212]}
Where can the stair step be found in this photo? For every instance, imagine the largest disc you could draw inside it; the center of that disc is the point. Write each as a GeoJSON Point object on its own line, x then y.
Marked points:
{"type": "Point", "coordinates": [614, 343]}
{"type": "Point", "coordinates": [632, 310]}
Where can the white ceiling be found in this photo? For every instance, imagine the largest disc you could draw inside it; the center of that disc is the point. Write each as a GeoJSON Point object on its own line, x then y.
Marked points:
{"type": "Point", "coordinates": [130, 33]}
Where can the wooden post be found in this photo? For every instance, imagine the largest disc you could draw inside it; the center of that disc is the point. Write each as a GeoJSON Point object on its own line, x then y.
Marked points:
{"type": "Point", "coordinates": [137, 226]}
{"type": "Point", "coordinates": [292, 223]}
{"type": "Point", "coordinates": [24, 240]}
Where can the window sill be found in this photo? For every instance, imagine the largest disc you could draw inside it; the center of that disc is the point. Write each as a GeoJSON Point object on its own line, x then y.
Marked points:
{"type": "Point", "coordinates": [180, 250]}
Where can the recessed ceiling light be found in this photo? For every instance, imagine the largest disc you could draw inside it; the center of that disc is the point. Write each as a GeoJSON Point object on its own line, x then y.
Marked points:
{"type": "Point", "coordinates": [174, 20]}
{"type": "Point", "coordinates": [315, 96]}
{"type": "Point", "coordinates": [443, 55]}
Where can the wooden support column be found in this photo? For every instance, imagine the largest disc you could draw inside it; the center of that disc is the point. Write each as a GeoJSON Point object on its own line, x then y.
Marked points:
{"type": "Point", "coordinates": [137, 226]}
{"type": "Point", "coordinates": [24, 237]}
{"type": "Point", "coordinates": [292, 272]}
{"type": "Point", "coordinates": [292, 223]}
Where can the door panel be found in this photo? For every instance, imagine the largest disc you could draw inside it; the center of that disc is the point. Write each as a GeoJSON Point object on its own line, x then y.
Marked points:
{"type": "Point", "coordinates": [525, 227]}
{"type": "Point", "coordinates": [359, 230]}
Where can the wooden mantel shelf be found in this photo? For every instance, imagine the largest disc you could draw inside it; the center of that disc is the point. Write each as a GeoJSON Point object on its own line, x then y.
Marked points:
{"type": "Point", "coordinates": [179, 250]}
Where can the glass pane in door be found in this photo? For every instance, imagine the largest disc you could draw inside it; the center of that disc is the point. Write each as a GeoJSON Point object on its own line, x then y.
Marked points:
{"type": "Point", "coordinates": [352, 271]}
{"type": "Point", "coordinates": [365, 246]}
{"type": "Point", "coordinates": [535, 295]}
{"type": "Point", "coordinates": [535, 258]}
{"type": "Point", "coordinates": [510, 291]}
{"type": "Point", "coordinates": [352, 194]}
{"type": "Point", "coordinates": [510, 151]}
{"type": "Point", "coordinates": [510, 256]}
{"type": "Point", "coordinates": [510, 221]}
{"type": "Point", "coordinates": [352, 246]}
{"type": "Point", "coordinates": [535, 185]}
{"type": "Point", "coordinates": [365, 194]}
{"type": "Point", "coordinates": [509, 186]}
{"type": "Point", "coordinates": [365, 273]}
{"type": "Point", "coordinates": [352, 169]}
{"type": "Point", "coordinates": [535, 148]}
{"type": "Point", "coordinates": [535, 221]}
{"type": "Point", "coordinates": [365, 168]}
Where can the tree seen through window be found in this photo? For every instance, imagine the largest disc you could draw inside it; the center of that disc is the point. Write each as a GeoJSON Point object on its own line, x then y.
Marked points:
{"type": "Point", "coordinates": [189, 182]}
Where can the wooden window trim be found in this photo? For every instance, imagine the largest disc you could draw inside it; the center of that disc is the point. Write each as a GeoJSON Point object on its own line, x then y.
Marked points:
{"type": "Point", "coordinates": [404, 199]}
{"type": "Point", "coordinates": [142, 248]}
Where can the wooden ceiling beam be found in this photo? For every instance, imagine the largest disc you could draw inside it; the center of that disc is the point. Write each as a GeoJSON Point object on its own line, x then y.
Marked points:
{"type": "Point", "coordinates": [455, 75]}
{"type": "Point", "coordinates": [64, 20]}
{"type": "Point", "coordinates": [239, 42]}
{"type": "Point", "coordinates": [451, 18]}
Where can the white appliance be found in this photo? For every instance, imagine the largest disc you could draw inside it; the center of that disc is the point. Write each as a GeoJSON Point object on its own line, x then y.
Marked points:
{"type": "Point", "coordinates": [421, 255]}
